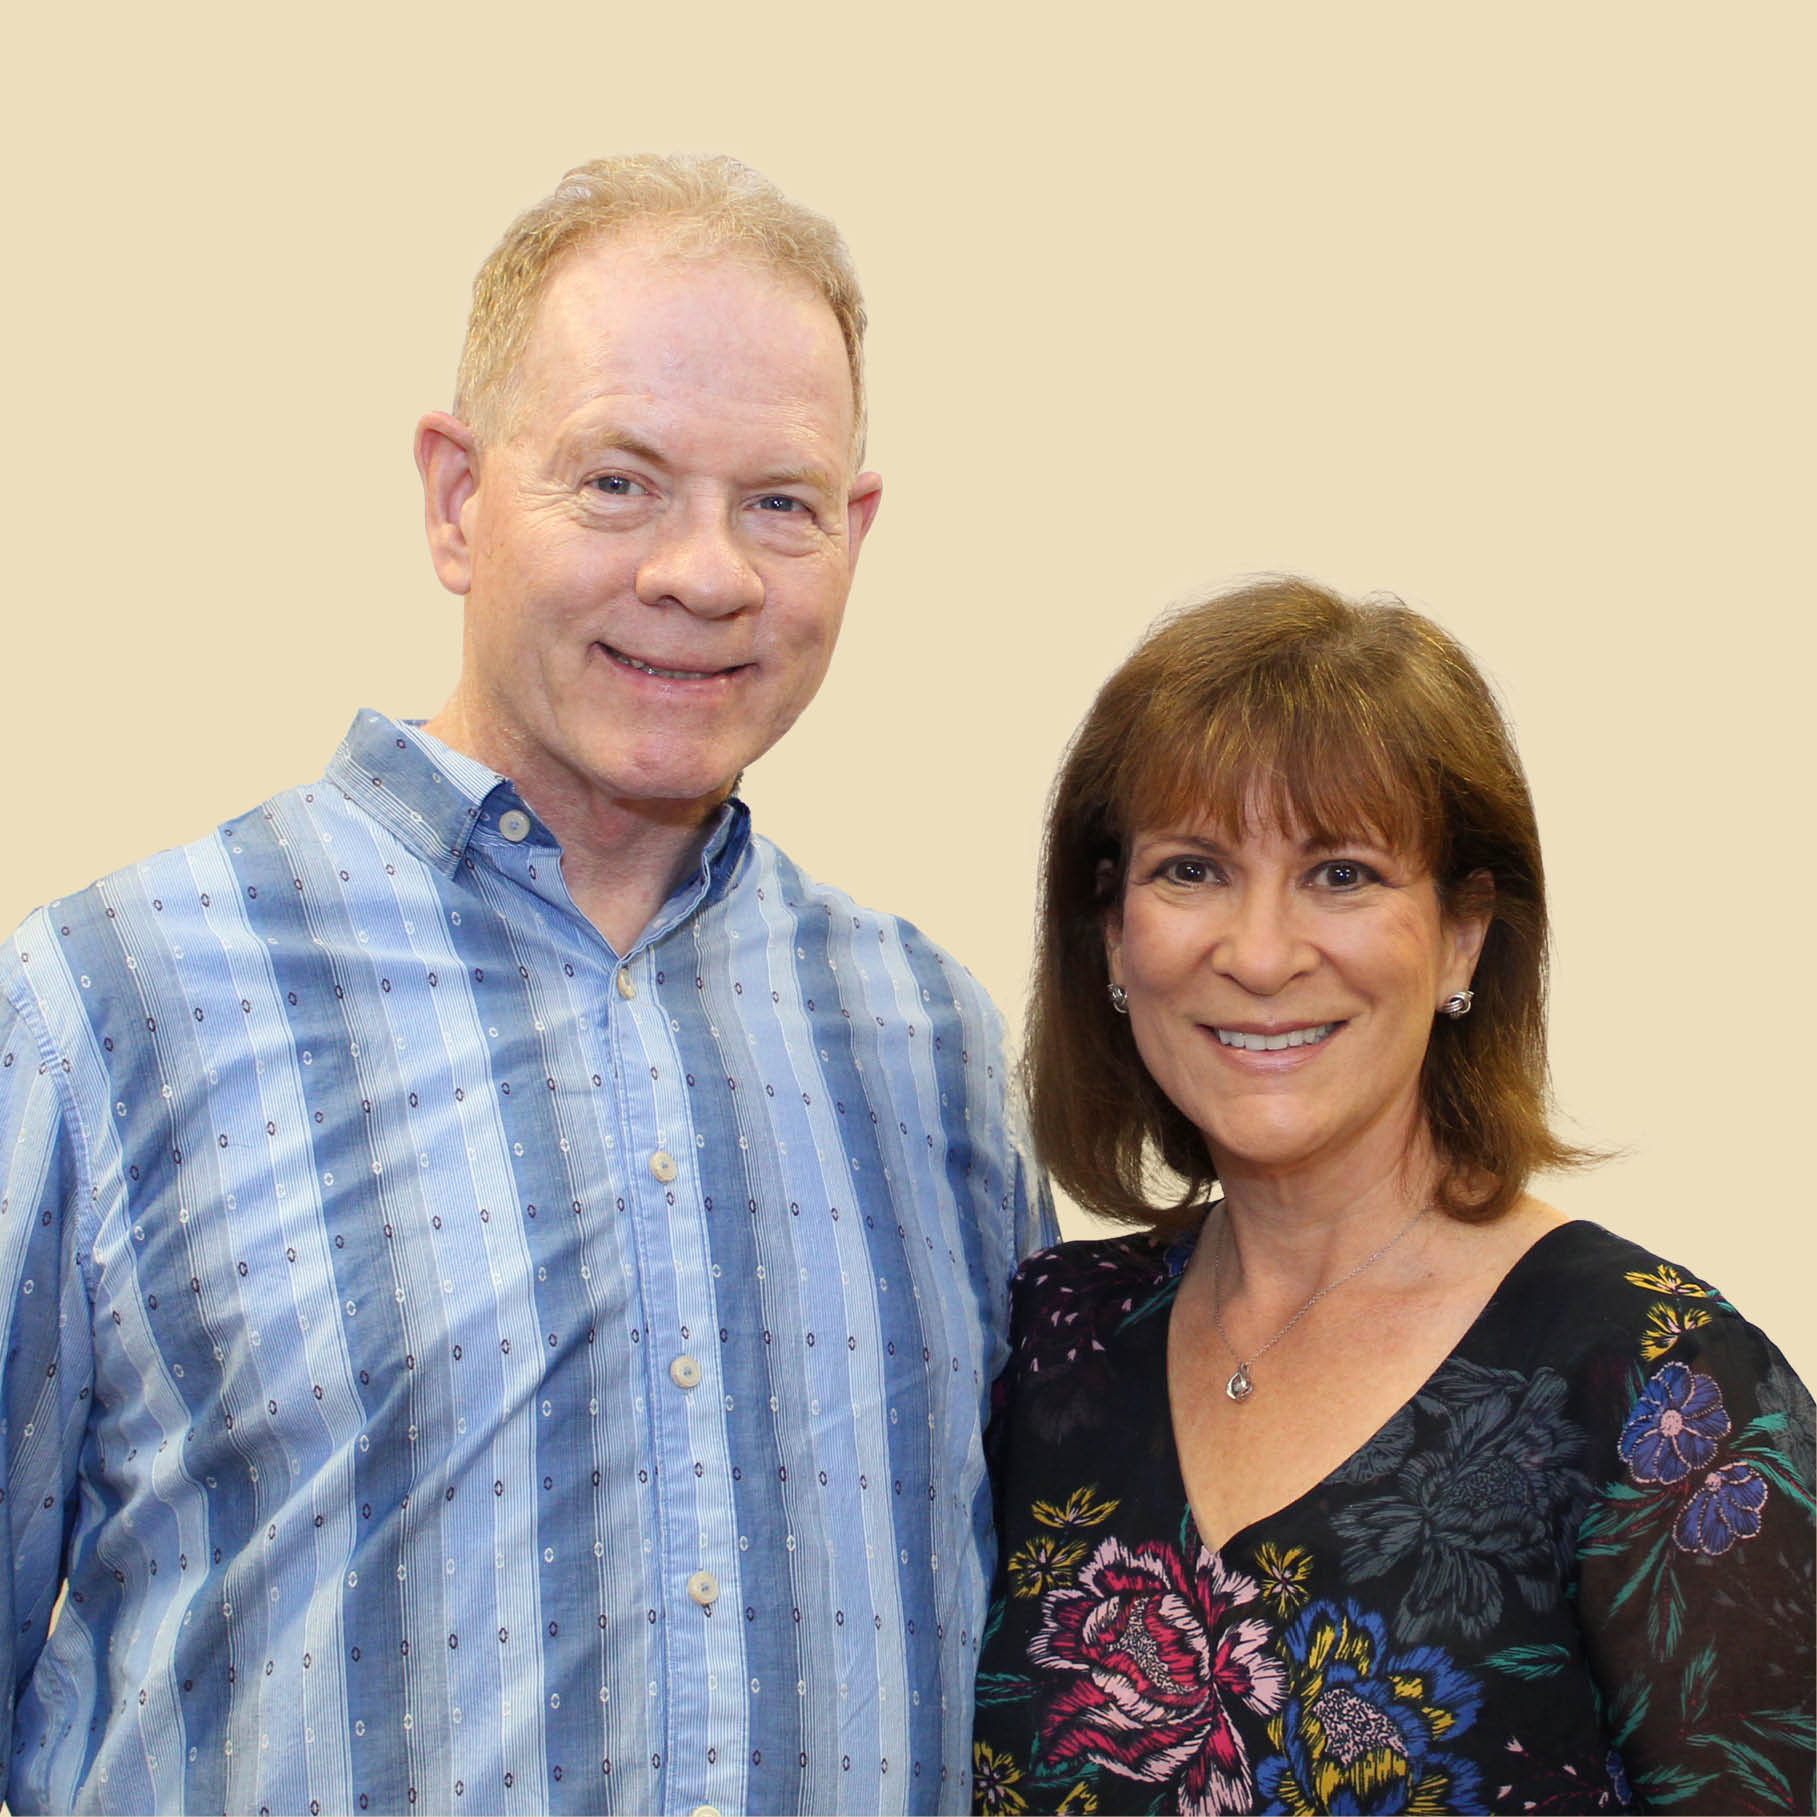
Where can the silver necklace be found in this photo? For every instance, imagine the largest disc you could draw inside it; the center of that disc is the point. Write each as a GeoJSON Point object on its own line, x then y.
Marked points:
{"type": "Point", "coordinates": [1242, 1381]}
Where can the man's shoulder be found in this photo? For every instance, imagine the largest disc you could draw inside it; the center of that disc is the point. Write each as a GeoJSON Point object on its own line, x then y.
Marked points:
{"type": "Point", "coordinates": [776, 878]}
{"type": "Point", "coordinates": [380, 775]}
{"type": "Point", "coordinates": [174, 901]}
{"type": "Point", "coordinates": [168, 869]}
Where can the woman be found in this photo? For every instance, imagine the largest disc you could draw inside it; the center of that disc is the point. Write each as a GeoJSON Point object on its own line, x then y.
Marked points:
{"type": "Point", "coordinates": [1360, 1479]}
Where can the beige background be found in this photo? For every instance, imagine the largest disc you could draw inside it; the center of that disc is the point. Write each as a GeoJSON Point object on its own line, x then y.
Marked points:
{"type": "Point", "coordinates": [1507, 310]}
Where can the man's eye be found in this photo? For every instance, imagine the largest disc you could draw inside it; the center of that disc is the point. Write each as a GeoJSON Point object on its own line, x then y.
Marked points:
{"type": "Point", "coordinates": [616, 485]}
{"type": "Point", "coordinates": [779, 501]}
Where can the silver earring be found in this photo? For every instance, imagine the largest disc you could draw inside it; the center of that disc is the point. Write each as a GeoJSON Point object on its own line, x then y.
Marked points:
{"type": "Point", "coordinates": [1119, 999]}
{"type": "Point", "coordinates": [1457, 1004]}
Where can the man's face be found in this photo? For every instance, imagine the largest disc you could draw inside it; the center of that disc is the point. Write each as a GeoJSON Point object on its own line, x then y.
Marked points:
{"type": "Point", "coordinates": [656, 554]}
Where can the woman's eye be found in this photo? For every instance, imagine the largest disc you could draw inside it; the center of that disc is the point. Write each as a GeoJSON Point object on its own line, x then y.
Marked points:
{"type": "Point", "coordinates": [616, 485]}
{"type": "Point", "coordinates": [1185, 870]}
{"type": "Point", "coordinates": [1345, 874]}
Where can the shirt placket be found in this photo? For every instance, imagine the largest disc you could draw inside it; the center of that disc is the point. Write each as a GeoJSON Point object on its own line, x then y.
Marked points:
{"type": "Point", "coordinates": [703, 1699]}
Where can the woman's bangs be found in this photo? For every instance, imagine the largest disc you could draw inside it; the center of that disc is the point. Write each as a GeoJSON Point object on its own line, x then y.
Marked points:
{"type": "Point", "coordinates": [1326, 777]}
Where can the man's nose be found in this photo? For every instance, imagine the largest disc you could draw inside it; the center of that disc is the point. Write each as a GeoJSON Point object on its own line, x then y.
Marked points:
{"type": "Point", "coordinates": [697, 563]}
{"type": "Point", "coordinates": [1261, 945]}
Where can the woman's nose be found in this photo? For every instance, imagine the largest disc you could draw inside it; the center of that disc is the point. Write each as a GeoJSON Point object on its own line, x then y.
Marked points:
{"type": "Point", "coordinates": [1261, 945]}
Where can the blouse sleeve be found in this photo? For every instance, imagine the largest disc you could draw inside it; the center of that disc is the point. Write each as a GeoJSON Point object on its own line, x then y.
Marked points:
{"type": "Point", "coordinates": [1695, 1570]}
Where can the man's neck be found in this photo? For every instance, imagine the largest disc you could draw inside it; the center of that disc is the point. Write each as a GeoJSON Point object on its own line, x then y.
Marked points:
{"type": "Point", "coordinates": [621, 859]}
{"type": "Point", "coordinates": [621, 888]}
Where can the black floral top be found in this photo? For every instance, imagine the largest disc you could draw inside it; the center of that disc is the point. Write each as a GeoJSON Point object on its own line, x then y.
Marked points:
{"type": "Point", "coordinates": [1573, 1573]}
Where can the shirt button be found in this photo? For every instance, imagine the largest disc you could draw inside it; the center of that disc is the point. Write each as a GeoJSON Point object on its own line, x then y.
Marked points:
{"type": "Point", "coordinates": [684, 1372]}
{"type": "Point", "coordinates": [627, 985]}
{"type": "Point", "coordinates": [514, 823]}
{"type": "Point", "coordinates": [704, 1810]}
{"type": "Point", "coordinates": [703, 1586]}
{"type": "Point", "coordinates": [662, 1165]}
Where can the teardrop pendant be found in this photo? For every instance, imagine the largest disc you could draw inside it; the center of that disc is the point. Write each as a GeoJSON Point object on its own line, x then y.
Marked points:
{"type": "Point", "coordinates": [1240, 1387]}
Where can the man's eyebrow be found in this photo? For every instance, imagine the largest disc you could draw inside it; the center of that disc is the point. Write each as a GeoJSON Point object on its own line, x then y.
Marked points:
{"type": "Point", "coordinates": [815, 478]}
{"type": "Point", "coordinates": [811, 474]}
{"type": "Point", "coordinates": [622, 440]}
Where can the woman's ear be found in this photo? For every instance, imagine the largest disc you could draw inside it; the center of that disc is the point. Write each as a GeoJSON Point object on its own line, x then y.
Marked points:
{"type": "Point", "coordinates": [1112, 921]}
{"type": "Point", "coordinates": [1467, 923]}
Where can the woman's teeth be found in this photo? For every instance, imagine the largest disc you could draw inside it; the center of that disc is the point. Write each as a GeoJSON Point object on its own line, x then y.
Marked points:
{"type": "Point", "coordinates": [1258, 1044]}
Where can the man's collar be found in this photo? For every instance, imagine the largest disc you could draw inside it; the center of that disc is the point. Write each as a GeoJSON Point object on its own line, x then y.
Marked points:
{"type": "Point", "coordinates": [433, 798]}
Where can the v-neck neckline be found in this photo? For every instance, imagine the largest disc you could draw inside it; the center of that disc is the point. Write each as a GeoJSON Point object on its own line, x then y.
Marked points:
{"type": "Point", "coordinates": [1174, 1262]}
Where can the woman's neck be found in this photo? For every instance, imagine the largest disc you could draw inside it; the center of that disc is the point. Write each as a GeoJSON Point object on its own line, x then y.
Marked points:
{"type": "Point", "coordinates": [1290, 1235]}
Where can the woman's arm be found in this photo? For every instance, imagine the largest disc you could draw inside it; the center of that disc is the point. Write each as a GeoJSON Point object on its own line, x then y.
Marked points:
{"type": "Point", "coordinates": [1696, 1565]}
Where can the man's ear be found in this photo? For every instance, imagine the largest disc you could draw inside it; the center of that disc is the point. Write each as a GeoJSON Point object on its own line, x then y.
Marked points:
{"type": "Point", "coordinates": [861, 501]}
{"type": "Point", "coordinates": [447, 456]}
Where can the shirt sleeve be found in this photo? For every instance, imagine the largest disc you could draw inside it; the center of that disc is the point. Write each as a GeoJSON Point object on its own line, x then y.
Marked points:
{"type": "Point", "coordinates": [1696, 1564]}
{"type": "Point", "coordinates": [1033, 1198]}
{"type": "Point", "coordinates": [46, 1386]}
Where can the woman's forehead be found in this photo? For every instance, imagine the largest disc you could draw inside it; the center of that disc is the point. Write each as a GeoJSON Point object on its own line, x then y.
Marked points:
{"type": "Point", "coordinates": [1277, 806]}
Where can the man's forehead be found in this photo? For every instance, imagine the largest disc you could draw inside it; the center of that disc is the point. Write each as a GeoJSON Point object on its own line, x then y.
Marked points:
{"type": "Point", "coordinates": [721, 322]}
{"type": "Point", "coordinates": [609, 282]}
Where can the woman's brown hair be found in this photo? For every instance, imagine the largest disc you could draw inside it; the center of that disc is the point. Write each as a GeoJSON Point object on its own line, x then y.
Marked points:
{"type": "Point", "coordinates": [1284, 701]}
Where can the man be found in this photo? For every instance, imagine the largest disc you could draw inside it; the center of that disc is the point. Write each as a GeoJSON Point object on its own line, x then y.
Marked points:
{"type": "Point", "coordinates": [504, 1271]}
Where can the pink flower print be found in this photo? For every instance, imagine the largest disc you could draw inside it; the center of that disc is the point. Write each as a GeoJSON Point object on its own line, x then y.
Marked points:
{"type": "Point", "coordinates": [1158, 1657]}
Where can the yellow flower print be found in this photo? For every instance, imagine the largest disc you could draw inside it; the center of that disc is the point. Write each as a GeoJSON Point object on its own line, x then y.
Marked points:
{"type": "Point", "coordinates": [1666, 1324]}
{"type": "Point", "coordinates": [1667, 1279]}
{"type": "Point", "coordinates": [1284, 1572]}
{"type": "Point", "coordinates": [1081, 1798]}
{"type": "Point", "coordinates": [1078, 1510]}
{"type": "Point", "coordinates": [1041, 1564]}
{"type": "Point", "coordinates": [994, 1779]}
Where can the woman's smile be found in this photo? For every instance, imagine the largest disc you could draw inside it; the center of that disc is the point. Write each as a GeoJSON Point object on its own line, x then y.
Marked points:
{"type": "Point", "coordinates": [1257, 1041]}
{"type": "Point", "coordinates": [1321, 963]}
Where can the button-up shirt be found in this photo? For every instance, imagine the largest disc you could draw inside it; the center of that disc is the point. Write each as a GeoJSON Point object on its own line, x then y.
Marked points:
{"type": "Point", "coordinates": [456, 1366]}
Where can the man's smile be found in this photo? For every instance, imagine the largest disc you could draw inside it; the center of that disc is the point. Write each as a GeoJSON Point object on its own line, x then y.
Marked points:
{"type": "Point", "coordinates": [647, 668]}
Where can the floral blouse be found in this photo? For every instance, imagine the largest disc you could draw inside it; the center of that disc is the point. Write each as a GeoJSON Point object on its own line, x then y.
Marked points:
{"type": "Point", "coordinates": [1573, 1573]}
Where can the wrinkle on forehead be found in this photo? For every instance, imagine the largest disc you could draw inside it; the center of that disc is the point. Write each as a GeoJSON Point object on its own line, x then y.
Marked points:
{"type": "Point", "coordinates": [621, 316]}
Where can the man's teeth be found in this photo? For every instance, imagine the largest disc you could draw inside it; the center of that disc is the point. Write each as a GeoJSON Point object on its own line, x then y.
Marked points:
{"type": "Point", "coordinates": [645, 668]}
{"type": "Point", "coordinates": [1259, 1044]}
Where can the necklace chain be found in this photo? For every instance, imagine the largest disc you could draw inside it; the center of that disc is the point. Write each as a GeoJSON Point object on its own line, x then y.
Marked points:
{"type": "Point", "coordinates": [1242, 1381]}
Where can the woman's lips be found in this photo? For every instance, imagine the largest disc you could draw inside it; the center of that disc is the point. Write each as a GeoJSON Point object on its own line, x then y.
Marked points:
{"type": "Point", "coordinates": [1256, 1042]}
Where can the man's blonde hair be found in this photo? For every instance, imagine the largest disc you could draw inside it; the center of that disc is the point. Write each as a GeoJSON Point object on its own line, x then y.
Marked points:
{"type": "Point", "coordinates": [697, 207]}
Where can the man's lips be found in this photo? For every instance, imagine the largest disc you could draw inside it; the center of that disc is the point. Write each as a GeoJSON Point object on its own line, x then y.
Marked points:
{"type": "Point", "coordinates": [639, 667]}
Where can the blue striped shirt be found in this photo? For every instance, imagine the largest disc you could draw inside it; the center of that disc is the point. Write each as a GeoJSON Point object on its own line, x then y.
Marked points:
{"type": "Point", "coordinates": [458, 1368]}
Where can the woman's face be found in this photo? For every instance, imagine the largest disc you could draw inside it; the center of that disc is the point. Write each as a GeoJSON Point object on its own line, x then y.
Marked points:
{"type": "Point", "coordinates": [1281, 991]}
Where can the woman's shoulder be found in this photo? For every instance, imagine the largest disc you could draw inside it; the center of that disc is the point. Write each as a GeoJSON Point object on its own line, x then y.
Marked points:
{"type": "Point", "coordinates": [1080, 1294]}
{"type": "Point", "coordinates": [1602, 1309]}
{"type": "Point", "coordinates": [1094, 1271]}
{"type": "Point", "coordinates": [1581, 1271]}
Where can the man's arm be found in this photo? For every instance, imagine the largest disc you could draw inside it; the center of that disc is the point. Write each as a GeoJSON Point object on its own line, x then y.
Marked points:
{"type": "Point", "coordinates": [46, 1362]}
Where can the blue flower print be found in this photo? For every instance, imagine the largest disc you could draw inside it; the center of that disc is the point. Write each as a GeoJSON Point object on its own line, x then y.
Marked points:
{"type": "Point", "coordinates": [1617, 1769]}
{"type": "Point", "coordinates": [1675, 1426]}
{"type": "Point", "coordinates": [1726, 1507]}
{"type": "Point", "coordinates": [1366, 1727]}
